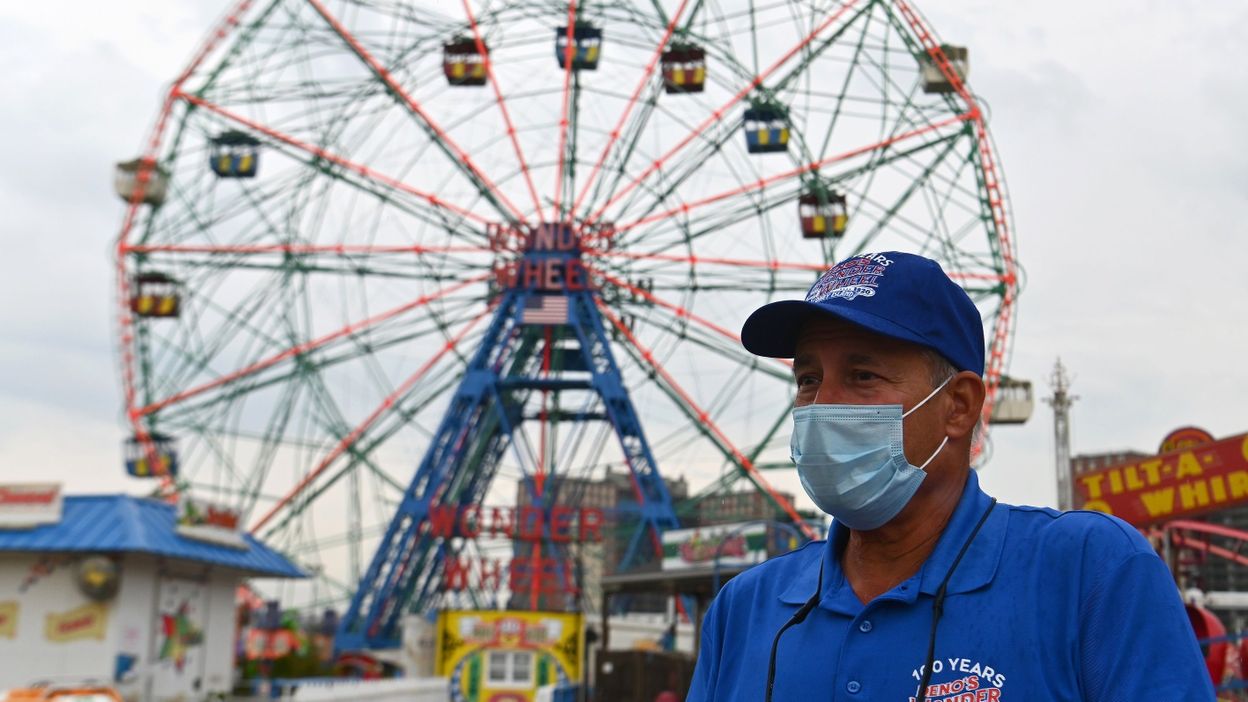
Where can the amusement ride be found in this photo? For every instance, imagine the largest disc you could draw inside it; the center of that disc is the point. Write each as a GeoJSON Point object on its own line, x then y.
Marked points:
{"type": "Point", "coordinates": [381, 257]}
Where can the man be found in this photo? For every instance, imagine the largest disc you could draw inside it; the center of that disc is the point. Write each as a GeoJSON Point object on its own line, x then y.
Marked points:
{"type": "Point", "coordinates": [925, 582]}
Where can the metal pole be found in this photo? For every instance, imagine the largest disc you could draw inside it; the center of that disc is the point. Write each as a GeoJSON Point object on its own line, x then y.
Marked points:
{"type": "Point", "coordinates": [1061, 402]}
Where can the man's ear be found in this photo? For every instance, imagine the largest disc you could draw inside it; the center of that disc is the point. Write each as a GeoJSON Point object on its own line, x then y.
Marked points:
{"type": "Point", "coordinates": [966, 390]}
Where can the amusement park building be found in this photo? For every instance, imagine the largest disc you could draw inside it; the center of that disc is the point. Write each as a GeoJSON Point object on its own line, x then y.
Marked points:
{"type": "Point", "coordinates": [108, 587]}
{"type": "Point", "coordinates": [610, 494]}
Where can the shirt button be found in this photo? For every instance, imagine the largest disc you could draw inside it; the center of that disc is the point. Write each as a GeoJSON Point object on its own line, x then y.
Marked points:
{"type": "Point", "coordinates": [865, 626]}
{"type": "Point", "coordinates": [853, 686]}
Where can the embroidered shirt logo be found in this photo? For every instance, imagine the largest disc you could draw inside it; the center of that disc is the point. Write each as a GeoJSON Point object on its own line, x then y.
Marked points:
{"type": "Point", "coordinates": [856, 277]}
{"type": "Point", "coordinates": [972, 681]}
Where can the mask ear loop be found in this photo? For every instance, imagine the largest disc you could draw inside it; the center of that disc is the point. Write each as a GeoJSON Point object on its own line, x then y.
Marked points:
{"type": "Point", "coordinates": [924, 402]}
{"type": "Point", "coordinates": [935, 453]}
{"type": "Point", "coordinates": [930, 395]}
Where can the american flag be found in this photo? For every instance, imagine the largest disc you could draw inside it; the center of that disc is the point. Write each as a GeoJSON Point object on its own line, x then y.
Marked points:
{"type": "Point", "coordinates": [545, 309]}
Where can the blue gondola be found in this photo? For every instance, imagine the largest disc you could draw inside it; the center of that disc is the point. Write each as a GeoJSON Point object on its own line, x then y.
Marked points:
{"type": "Point", "coordinates": [766, 129]}
{"type": "Point", "coordinates": [586, 46]}
{"type": "Point", "coordinates": [159, 462]}
{"type": "Point", "coordinates": [234, 155]}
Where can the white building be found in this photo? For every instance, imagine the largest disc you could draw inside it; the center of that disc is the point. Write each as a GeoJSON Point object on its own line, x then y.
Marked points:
{"type": "Point", "coordinates": [111, 588]}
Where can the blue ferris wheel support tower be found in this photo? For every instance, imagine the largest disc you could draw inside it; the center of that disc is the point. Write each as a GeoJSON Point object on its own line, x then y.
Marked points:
{"type": "Point", "coordinates": [546, 307]}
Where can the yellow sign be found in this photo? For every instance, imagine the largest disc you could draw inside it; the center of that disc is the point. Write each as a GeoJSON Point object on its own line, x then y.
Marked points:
{"type": "Point", "coordinates": [8, 619]}
{"type": "Point", "coordinates": [494, 656]}
{"type": "Point", "coordinates": [86, 622]}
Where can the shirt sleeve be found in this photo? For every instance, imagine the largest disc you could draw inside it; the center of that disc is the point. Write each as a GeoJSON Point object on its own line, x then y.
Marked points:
{"type": "Point", "coordinates": [1136, 642]}
{"type": "Point", "coordinates": [702, 689]}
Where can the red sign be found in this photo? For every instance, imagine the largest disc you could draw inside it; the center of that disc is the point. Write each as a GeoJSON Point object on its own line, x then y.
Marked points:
{"type": "Point", "coordinates": [523, 574]}
{"type": "Point", "coordinates": [559, 524]}
{"type": "Point", "coordinates": [28, 505]}
{"type": "Point", "coordinates": [38, 495]}
{"type": "Point", "coordinates": [1184, 437]}
{"type": "Point", "coordinates": [1180, 483]}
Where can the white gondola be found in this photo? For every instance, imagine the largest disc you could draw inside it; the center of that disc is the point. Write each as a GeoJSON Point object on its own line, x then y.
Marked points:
{"type": "Point", "coordinates": [1015, 401]}
{"type": "Point", "coordinates": [934, 80]}
{"type": "Point", "coordinates": [129, 173]}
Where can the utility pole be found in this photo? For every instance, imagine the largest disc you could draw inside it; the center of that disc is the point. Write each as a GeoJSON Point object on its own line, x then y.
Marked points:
{"type": "Point", "coordinates": [1061, 402]}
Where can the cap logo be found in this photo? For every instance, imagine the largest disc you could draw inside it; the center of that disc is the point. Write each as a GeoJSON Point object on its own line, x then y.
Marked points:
{"type": "Point", "coordinates": [856, 277]}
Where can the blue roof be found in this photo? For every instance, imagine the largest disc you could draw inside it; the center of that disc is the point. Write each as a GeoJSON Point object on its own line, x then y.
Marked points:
{"type": "Point", "coordinates": [126, 524]}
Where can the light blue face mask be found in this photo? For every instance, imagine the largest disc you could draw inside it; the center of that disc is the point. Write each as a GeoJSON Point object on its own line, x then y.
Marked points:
{"type": "Point", "coordinates": [851, 461]}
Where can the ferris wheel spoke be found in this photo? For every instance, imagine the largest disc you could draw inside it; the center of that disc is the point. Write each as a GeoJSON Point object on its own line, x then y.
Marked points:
{"type": "Point", "coordinates": [387, 405]}
{"type": "Point", "coordinates": [632, 103]}
{"type": "Point", "coordinates": [396, 420]}
{"type": "Point", "coordinates": [306, 249]}
{"type": "Point", "coordinates": [694, 260]}
{"type": "Point", "coordinates": [845, 84]}
{"type": "Point", "coordinates": [458, 157]}
{"type": "Point", "coordinates": [763, 183]}
{"type": "Point", "coordinates": [696, 414]}
{"type": "Point", "coordinates": [492, 79]}
{"type": "Point", "coordinates": [340, 161]}
{"type": "Point", "coordinates": [323, 362]}
{"type": "Point", "coordinates": [677, 326]}
{"type": "Point", "coordinates": [679, 311]}
{"type": "Point", "coordinates": [891, 213]}
{"type": "Point", "coordinates": [301, 349]}
{"type": "Point", "coordinates": [569, 68]}
{"type": "Point", "coordinates": [718, 115]}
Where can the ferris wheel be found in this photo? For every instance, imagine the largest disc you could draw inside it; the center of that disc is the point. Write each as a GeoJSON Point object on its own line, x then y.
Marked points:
{"type": "Point", "coordinates": [341, 205]}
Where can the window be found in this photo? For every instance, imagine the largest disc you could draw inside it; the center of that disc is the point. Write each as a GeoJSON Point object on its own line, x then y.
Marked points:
{"type": "Point", "coordinates": [510, 668]}
{"type": "Point", "coordinates": [498, 666]}
{"type": "Point", "coordinates": [522, 667]}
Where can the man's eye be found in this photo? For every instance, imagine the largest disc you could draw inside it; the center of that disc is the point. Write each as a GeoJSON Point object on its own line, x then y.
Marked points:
{"type": "Point", "coordinates": [863, 376]}
{"type": "Point", "coordinates": [805, 381]}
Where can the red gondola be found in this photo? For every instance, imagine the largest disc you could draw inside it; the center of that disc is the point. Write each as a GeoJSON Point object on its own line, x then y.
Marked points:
{"type": "Point", "coordinates": [463, 63]}
{"type": "Point", "coordinates": [823, 214]}
{"type": "Point", "coordinates": [684, 69]}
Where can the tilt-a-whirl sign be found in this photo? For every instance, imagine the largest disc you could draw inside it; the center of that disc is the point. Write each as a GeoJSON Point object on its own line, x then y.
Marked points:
{"type": "Point", "coordinates": [1185, 482]}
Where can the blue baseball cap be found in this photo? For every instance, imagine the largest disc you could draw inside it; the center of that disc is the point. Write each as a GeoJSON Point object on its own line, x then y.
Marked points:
{"type": "Point", "coordinates": [896, 294]}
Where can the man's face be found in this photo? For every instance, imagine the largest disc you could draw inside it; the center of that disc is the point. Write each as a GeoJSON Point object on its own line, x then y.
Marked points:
{"type": "Point", "coordinates": [841, 363]}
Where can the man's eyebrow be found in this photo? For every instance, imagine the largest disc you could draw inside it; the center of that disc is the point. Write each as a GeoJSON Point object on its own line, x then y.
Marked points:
{"type": "Point", "coordinates": [804, 359]}
{"type": "Point", "coordinates": [862, 359]}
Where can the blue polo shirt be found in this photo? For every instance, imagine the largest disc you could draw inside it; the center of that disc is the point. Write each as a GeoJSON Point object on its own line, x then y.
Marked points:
{"type": "Point", "coordinates": [1044, 606]}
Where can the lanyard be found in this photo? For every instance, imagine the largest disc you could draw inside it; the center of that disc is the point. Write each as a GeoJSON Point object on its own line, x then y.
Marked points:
{"type": "Point", "coordinates": [938, 608]}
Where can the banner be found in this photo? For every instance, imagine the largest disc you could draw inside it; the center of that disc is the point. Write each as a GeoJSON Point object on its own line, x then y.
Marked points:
{"type": "Point", "coordinates": [86, 622]}
{"type": "Point", "coordinates": [205, 521]}
{"type": "Point", "coordinates": [728, 544]}
{"type": "Point", "coordinates": [1177, 484]}
{"type": "Point", "coordinates": [28, 505]}
{"type": "Point", "coordinates": [8, 620]}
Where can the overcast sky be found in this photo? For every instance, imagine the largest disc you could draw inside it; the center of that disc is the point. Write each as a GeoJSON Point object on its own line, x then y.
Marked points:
{"type": "Point", "coordinates": [1121, 128]}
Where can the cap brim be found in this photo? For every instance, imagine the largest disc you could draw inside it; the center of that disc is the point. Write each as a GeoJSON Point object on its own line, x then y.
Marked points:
{"type": "Point", "coordinates": [772, 329]}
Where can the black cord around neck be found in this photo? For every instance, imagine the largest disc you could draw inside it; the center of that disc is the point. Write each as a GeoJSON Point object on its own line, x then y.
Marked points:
{"type": "Point", "coordinates": [798, 617]}
{"type": "Point", "coordinates": [938, 605]}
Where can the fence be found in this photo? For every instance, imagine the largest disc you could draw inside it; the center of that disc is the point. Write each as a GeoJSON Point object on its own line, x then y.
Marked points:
{"type": "Point", "coordinates": [388, 690]}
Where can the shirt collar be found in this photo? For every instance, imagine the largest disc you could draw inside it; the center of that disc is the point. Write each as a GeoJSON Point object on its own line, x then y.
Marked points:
{"type": "Point", "coordinates": [977, 569]}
